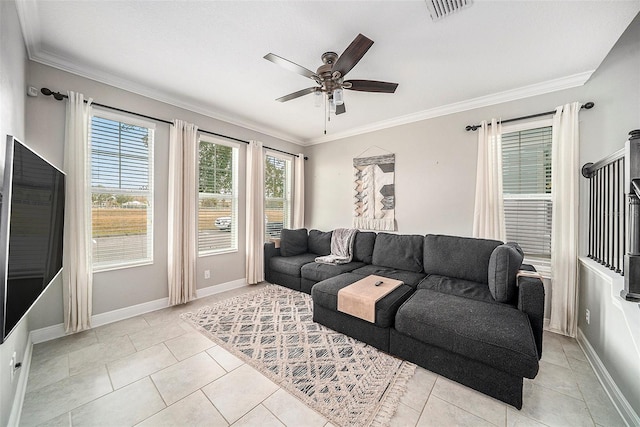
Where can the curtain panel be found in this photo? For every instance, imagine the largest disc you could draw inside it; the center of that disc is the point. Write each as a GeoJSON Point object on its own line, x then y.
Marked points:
{"type": "Point", "coordinates": [182, 215]}
{"type": "Point", "coordinates": [488, 212]}
{"type": "Point", "coordinates": [77, 274]}
{"type": "Point", "coordinates": [255, 213]}
{"type": "Point", "coordinates": [565, 171]}
{"type": "Point", "coordinates": [298, 195]}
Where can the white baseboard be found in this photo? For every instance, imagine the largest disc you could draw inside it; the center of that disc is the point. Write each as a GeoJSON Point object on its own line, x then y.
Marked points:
{"type": "Point", "coordinates": [57, 331]}
{"type": "Point", "coordinates": [619, 401]}
{"type": "Point", "coordinates": [18, 400]}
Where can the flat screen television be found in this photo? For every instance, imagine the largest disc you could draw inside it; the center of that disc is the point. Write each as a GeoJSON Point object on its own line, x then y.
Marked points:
{"type": "Point", "coordinates": [31, 231]}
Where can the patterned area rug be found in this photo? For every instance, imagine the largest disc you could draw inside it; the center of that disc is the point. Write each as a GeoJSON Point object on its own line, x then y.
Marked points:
{"type": "Point", "coordinates": [347, 381]}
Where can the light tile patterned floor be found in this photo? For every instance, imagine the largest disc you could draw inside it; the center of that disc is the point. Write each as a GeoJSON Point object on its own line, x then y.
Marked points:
{"type": "Point", "coordinates": [156, 370]}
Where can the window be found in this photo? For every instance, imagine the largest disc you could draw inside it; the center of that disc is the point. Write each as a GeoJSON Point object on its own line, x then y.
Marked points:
{"type": "Point", "coordinates": [526, 165]}
{"type": "Point", "coordinates": [277, 194]}
{"type": "Point", "coordinates": [121, 191]}
{"type": "Point", "coordinates": [217, 196]}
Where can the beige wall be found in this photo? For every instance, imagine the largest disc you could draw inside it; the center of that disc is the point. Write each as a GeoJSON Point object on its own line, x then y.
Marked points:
{"type": "Point", "coordinates": [13, 63]}
{"type": "Point", "coordinates": [126, 287]}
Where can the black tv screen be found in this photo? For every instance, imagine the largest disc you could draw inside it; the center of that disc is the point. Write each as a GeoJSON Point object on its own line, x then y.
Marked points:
{"type": "Point", "coordinates": [31, 228]}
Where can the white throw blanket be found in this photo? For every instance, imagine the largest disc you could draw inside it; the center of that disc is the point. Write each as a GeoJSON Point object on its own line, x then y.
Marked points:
{"type": "Point", "coordinates": [341, 247]}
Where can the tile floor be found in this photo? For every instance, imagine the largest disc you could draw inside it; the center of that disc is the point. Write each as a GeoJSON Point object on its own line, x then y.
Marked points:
{"type": "Point", "coordinates": [155, 370]}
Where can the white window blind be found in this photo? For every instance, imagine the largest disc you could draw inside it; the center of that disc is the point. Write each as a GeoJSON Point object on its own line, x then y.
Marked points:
{"type": "Point", "coordinates": [122, 191]}
{"type": "Point", "coordinates": [217, 197]}
{"type": "Point", "coordinates": [277, 192]}
{"type": "Point", "coordinates": [526, 163]}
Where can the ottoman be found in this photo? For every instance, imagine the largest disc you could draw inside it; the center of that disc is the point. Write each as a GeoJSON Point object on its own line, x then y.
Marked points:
{"type": "Point", "coordinates": [325, 311]}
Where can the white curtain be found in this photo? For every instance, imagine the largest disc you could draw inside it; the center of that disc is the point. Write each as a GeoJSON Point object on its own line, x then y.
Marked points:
{"type": "Point", "coordinates": [298, 195]}
{"type": "Point", "coordinates": [255, 213]}
{"type": "Point", "coordinates": [488, 213]}
{"type": "Point", "coordinates": [77, 273]}
{"type": "Point", "coordinates": [183, 199]}
{"type": "Point", "coordinates": [565, 169]}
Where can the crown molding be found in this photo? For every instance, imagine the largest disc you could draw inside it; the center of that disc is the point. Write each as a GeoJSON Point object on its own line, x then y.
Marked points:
{"type": "Point", "coordinates": [146, 91]}
{"type": "Point", "coordinates": [30, 25]}
{"type": "Point", "coordinates": [457, 107]}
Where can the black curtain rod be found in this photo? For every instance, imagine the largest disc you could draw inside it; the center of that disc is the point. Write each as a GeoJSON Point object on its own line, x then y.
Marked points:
{"type": "Point", "coordinates": [587, 106]}
{"type": "Point", "coordinates": [59, 97]}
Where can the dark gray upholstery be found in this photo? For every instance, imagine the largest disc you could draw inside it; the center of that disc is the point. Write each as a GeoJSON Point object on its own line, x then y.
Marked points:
{"type": "Point", "coordinates": [459, 257]}
{"type": "Point", "coordinates": [319, 242]}
{"type": "Point", "coordinates": [291, 265]}
{"type": "Point", "coordinates": [504, 263]}
{"type": "Point", "coordinates": [293, 242]}
{"type": "Point", "coordinates": [504, 341]}
{"type": "Point", "coordinates": [316, 271]}
{"type": "Point", "coordinates": [363, 246]}
{"type": "Point", "coordinates": [486, 379]}
{"type": "Point", "coordinates": [409, 278]}
{"type": "Point", "coordinates": [531, 302]}
{"type": "Point", "coordinates": [459, 287]}
{"type": "Point", "coordinates": [399, 251]}
{"type": "Point", "coordinates": [444, 317]}
{"type": "Point", "coordinates": [325, 294]}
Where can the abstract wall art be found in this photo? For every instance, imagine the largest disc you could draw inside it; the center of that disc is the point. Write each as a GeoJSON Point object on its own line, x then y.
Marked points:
{"type": "Point", "coordinates": [374, 193]}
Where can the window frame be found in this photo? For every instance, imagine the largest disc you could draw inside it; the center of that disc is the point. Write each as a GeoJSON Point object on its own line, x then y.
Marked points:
{"type": "Point", "coordinates": [288, 199]}
{"type": "Point", "coordinates": [542, 264]}
{"type": "Point", "coordinates": [151, 126]}
{"type": "Point", "coordinates": [235, 154]}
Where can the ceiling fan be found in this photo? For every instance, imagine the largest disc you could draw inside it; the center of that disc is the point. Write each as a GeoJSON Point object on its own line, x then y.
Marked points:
{"type": "Point", "coordinates": [330, 76]}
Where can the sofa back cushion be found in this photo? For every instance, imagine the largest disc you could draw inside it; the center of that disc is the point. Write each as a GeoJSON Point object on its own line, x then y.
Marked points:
{"type": "Point", "coordinates": [504, 263]}
{"type": "Point", "coordinates": [320, 242]}
{"type": "Point", "coordinates": [363, 246]}
{"type": "Point", "coordinates": [293, 242]}
{"type": "Point", "coordinates": [460, 257]}
{"type": "Point", "coordinates": [401, 251]}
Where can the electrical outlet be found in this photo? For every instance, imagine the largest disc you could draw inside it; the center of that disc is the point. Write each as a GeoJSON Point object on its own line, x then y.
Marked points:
{"type": "Point", "coordinates": [587, 316]}
{"type": "Point", "coordinates": [207, 274]}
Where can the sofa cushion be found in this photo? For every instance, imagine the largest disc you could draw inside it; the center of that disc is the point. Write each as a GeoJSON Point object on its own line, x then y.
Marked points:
{"type": "Point", "coordinates": [459, 287]}
{"type": "Point", "coordinates": [409, 278]}
{"type": "Point", "coordinates": [363, 246]}
{"type": "Point", "coordinates": [290, 265]}
{"type": "Point", "coordinates": [293, 242]}
{"type": "Point", "coordinates": [460, 257]}
{"type": "Point", "coordinates": [325, 294]}
{"type": "Point", "coordinates": [319, 242]}
{"type": "Point", "coordinates": [317, 271]}
{"type": "Point", "coordinates": [401, 251]}
{"type": "Point", "coordinates": [504, 263]}
{"type": "Point", "coordinates": [495, 334]}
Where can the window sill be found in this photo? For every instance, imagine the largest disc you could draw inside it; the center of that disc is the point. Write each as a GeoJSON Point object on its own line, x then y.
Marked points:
{"type": "Point", "coordinates": [121, 266]}
{"type": "Point", "coordinates": [221, 252]}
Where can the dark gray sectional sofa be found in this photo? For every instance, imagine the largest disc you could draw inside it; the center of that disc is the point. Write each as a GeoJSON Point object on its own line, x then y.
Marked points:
{"type": "Point", "coordinates": [460, 312]}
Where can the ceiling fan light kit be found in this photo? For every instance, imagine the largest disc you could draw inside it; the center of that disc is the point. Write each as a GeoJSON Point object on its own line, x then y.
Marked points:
{"type": "Point", "coordinates": [330, 76]}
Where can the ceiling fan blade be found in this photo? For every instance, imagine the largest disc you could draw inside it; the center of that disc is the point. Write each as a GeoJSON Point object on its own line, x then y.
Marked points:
{"type": "Point", "coordinates": [352, 54]}
{"type": "Point", "coordinates": [372, 86]}
{"type": "Point", "coordinates": [297, 94]}
{"type": "Point", "coordinates": [340, 109]}
{"type": "Point", "coordinates": [291, 66]}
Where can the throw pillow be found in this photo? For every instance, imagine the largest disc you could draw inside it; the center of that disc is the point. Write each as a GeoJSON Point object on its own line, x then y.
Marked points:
{"type": "Point", "coordinates": [504, 264]}
{"type": "Point", "coordinates": [320, 242]}
{"type": "Point", "coordinates": [293, 242]}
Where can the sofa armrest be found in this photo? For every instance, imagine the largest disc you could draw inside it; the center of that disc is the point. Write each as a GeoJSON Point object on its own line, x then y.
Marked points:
{"type": "Point", "coordinates": [270, 251]}
{"type": "Point", "coordinates": [531, 302]}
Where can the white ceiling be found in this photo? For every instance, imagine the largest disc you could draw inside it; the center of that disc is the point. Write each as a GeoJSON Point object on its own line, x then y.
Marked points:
{"type": "Point", "coordinates": [207, 56]}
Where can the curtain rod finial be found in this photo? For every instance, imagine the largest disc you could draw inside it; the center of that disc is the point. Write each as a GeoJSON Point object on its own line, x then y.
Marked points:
{"type": "Point", "coordinates": [589, 105]}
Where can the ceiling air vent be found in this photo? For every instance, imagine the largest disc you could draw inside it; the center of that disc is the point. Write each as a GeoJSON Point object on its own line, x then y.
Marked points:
{"type": "Point", "coordinates": [441, 8]}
